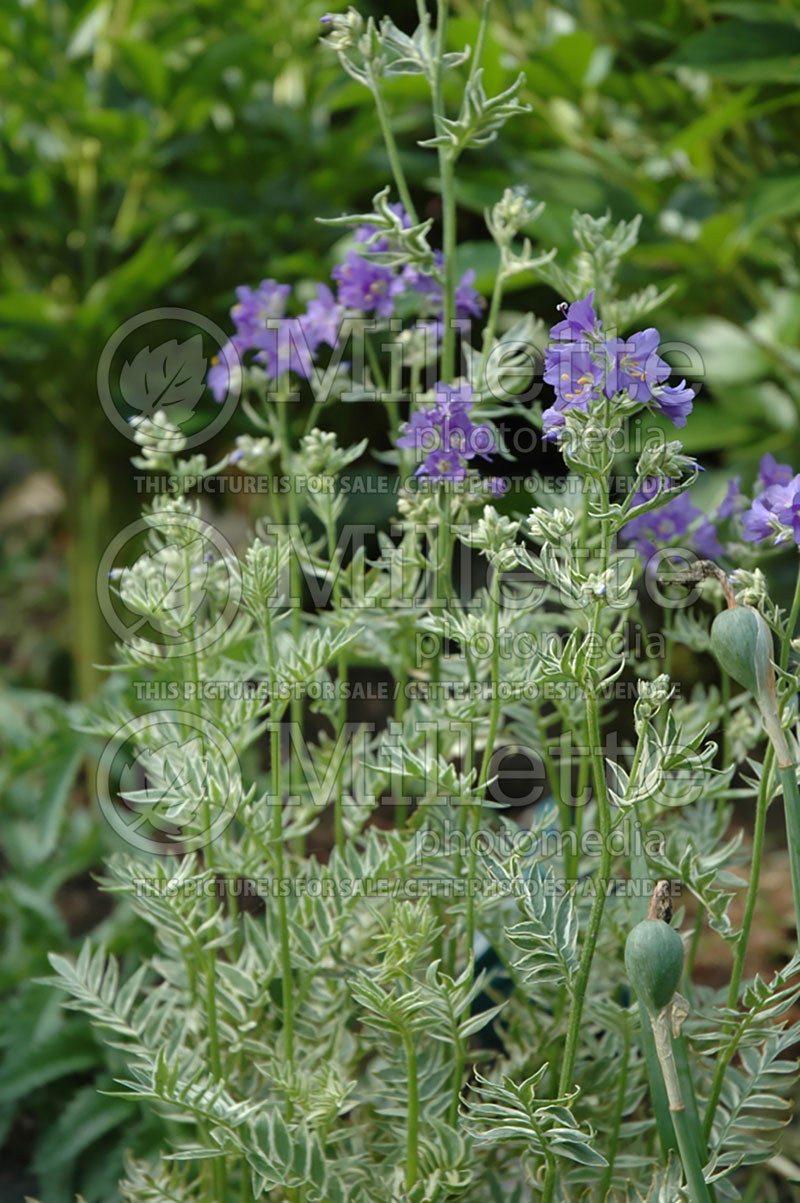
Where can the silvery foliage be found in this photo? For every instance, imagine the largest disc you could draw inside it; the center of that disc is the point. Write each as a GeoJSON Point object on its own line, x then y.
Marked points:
{"type": "Point", "coordinates": [383, 989]}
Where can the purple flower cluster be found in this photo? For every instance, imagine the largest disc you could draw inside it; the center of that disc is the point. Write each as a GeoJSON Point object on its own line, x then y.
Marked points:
{"type": "Point", "coordinates": [290, 344]}
{"type": "Point", "coordinates": [280, 344]}
{"type": "Point", "coordinates": [448, 437]}
{"type": "Point", "coordinates": [777, 504]}
{"type": "Point", "coordinates": [678, 518]}
{"type": "Point", "coordinates": [582, 367]}
{"type": "Point", "coordinates": [371, 288]}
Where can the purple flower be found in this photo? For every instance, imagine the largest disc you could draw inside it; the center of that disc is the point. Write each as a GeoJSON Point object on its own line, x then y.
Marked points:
{"type": "Point", "coordinates": [757, 522]}
{"type": "Point", "coordinates": [787, 508]}
{"type": "Point", "coordinates": [281, 344]}
{"type": "Point", "coordinates": [674, 401]}
{"type": "Point", "coordinates": [256, 307]}
{"type": "Point", "coordinates": [576, 378]}
{"type": "Point", "coordinates": [367, 286]}
{"type": "Point", "coordinates": [322, 319]}
{"type": "Point", "coordinates": [780, 503]}
{"type": "Point", "coordinates": [283, 349]}
{"type": "Point", "coordinates": [497, 485]}
{"type": "Point", "coordinates": [676, 519]}
{"type": "Point", "coordinates": [635, 365]}
{"type": "Point", "coordinates": [469, 302]}
{"type": "Point", "coordinates": [446, 434]}
{"type": "Point", "coordinates": [443, 465]}
{"type": "Point", "coordinates": [552, 422]}
{"type": "Point", "coordinates": [225, 371]}
{"type": "Point", "coordinates": [770, 472]}
{"type": "Point", "coordinates": [579, 319]}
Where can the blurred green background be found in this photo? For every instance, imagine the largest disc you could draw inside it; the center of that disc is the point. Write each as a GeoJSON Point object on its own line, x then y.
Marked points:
{"type": "Point", "coordinates": [160, 152]}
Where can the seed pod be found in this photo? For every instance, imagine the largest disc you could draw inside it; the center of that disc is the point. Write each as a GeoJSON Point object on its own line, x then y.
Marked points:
{"type": "Point", "coordinates": [654, 961]}
{"type": "Point", "coordinates": [742, 643]}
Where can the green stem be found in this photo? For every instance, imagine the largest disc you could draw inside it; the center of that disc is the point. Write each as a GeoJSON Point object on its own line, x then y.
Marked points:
{"type": "Point", "coordinates": [458, 1074]}
{"type": "Point", "coordinates": [595, 917]}
{"type": "Point", "coordinates": [391, 148]}
{"type": "Point", "coordinates": [90, 500]}
{"type": "Point", "coordinates": [725, 698]}
{"type": "Point", "coordinates": [295, 573]}
{"type": "Point", "coordinates": [691, 955]}
{"type": "Point", "coordinates": [475, 811]}
{"type": "Point", "coordinates": [791, 812]}
{"type": "Point", "coordinates": [341, 675]}
{"type": "Point", "coordinates": [723, 1059]}
{"type": "Point", "coordinates": [605, 1182]}
{"type": "Point", "coordinates": [483, 776]}
{"type": "Point", "coordinates": [689, 1097]}
{"type": "Point", "coordinates": [375, 366]}
{"type": "Point", "coordinates": [698, 1187]}
{"type": "Point", "coordinates": [792, 816]}
{"type": "Point", "coordinates": [479, 41]}
{"type": "Point", "coordinates": [278, 851]}
{"type": "Point", "coordinates": [435, 57]}
{"type": "Point", "coordinates": [448, 360]}
{"type": "Point", "coordinates": [794, 613]}
{"type": "Point", "coordinates": [208, 958]}
{"type": "Point", "coordinates": [689, 1139]}
{"type": "Point", "coordinates": [658, 1091]}
{"type": "Point", "coordinates": [587, 954]}
{"type": "Point", "coordinates": [412, 1128]}
{"type": "Point", "coordinates": [489, 331]}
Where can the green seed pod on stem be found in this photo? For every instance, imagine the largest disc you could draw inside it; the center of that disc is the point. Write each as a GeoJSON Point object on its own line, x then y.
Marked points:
{"type": "Point", "coordinates": [654, 961]}
{"type": "Point", "coordinates": [742, 644]}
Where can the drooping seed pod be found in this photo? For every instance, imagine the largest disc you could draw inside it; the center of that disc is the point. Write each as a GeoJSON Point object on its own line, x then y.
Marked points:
{"type": "Point", "coordinates": [742, 643]}
{"type": "Point", "coordinates": [654, 961]}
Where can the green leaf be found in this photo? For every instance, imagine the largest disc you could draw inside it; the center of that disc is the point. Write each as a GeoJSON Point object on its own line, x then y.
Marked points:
{"type": "Point", "coordinates": [87, 1116]}
{"type": "Point", "coordinates": [772, 198]}
{"type": "Point", "coordinates": [744, 51]}
{"type": "Point", "coordinates": [144, 64]}
{"type": "Point", "coordinates": [55, 791]}
{"type": "Point", "coordinates": [281, 1141]}
{"type": "Point", "coordinates": [66, 1051]}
